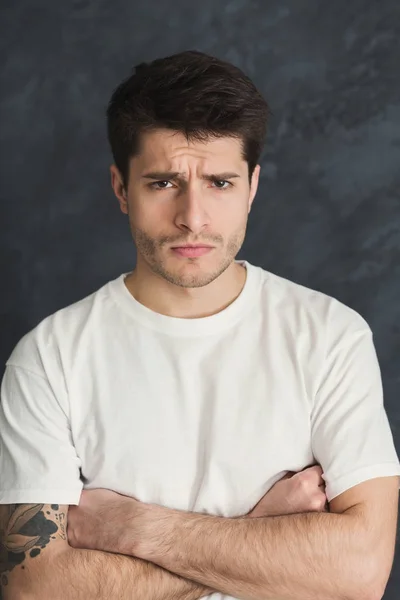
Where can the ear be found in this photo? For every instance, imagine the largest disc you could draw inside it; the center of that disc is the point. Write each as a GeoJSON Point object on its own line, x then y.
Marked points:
{"type": "Point", "coordinates": [254, 184]}
{"type": "Point", "coordinates": [118, 187]}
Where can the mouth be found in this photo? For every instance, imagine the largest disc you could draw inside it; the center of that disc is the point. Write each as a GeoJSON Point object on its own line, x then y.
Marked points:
{"type": "Point", "coordinates": [193, 246]}
{"type": "Point", "coordinates": [192, 251]}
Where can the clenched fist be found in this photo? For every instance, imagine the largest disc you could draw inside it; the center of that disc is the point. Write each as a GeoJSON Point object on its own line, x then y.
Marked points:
{"type": "Point", "coordinates": [294, 493]}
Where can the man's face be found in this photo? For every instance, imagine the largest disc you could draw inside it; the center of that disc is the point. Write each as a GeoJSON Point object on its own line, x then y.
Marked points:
{"type": "Point", "coordinates": [166, 212]}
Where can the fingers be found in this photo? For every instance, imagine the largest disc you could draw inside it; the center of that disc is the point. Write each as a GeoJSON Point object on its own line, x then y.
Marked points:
{"type": "Point", "coordinates": [315, 474]}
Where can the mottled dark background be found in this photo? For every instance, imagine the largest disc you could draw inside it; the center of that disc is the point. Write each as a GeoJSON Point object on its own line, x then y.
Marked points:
{"type": "Point", "coordinates": [327, 213]}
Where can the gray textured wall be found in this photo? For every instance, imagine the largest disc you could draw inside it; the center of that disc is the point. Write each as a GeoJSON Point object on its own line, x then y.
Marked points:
{"type": "Point", "coordinates": [327, 213]}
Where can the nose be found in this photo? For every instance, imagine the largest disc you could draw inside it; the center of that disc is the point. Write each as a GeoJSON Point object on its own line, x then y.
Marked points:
{"type": "Point", "coordinates": [191, 213]}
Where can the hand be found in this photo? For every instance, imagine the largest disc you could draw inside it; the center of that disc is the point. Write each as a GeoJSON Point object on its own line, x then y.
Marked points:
{"type": "Point", "coordinates": [294, 493]}
{"type": "Point", "coordinates": [100, 520]}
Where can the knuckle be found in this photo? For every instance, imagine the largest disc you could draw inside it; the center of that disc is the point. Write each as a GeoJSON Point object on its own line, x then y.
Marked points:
{"type": "Point", "coordinates": [310, 475]}
{"type": "Point", "coordinates": [318, 502]}
{"type": "Point", "coordinates": [305, 482]}
{"type": "Point", "coordinates": [318, 469]}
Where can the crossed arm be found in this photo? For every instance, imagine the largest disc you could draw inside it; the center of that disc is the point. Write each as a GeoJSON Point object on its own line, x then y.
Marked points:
{"type": "Point", "coordinates": [60, 572]}
{"type": "Point", "coordinates": [346, 554]}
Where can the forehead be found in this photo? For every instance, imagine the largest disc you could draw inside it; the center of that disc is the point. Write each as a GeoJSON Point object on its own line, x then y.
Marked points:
{"type": "Point", "coordinates": [166, 148]}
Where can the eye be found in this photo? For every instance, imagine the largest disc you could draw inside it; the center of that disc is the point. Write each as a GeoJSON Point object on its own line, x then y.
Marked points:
{"type": "Point", "coordinates": [223, 181]}
{"type": "Point", "coordinates": [153, 185]}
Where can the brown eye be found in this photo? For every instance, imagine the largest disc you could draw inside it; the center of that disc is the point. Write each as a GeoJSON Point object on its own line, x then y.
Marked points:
{"type": "Point", "coordinates": [156, 183]}
{"type": "Point", "coordinates": [222, 181]}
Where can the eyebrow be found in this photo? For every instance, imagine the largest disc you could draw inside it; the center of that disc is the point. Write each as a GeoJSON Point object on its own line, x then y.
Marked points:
{"type": "Point", "coordinates": [167, 175]}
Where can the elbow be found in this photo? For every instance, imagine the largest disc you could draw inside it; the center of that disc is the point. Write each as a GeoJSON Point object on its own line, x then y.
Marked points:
{"type": "Point", "coordinates": [373, 593]}
{"type": "Point", "coordinates": [373, 588]}
{"type": "Point", "coordinates": [10, 593]}
{"type": "Point", "coordinates": [15, 593]}
{"type": "Point", "coordinates": [376, 590]}
{"type": "Point", "coordinates": [16, 586]}
{"type": "Point", "coordinates": [369, 592]}
{"type": "Point", "coordinates": [363, 578]}
{"type": "Point", "coordinates": [381, 565]}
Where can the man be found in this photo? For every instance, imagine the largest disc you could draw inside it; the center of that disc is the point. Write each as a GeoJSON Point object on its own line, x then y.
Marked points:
{"type": "Point", "coordinates": [178, 394]}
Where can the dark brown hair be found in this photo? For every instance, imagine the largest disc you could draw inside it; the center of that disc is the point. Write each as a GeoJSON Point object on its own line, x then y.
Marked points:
{"type": "Point", "coordinates": [198, 95]}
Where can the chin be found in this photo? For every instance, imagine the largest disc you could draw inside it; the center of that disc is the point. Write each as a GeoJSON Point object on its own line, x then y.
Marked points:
{"type": "Point", "coordinates": [195, 274]}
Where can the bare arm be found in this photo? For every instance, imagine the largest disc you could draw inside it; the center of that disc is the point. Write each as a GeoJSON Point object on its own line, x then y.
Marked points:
{"type": "Point", "coordinates": [94, 575]}
{"type": "Point", "coordinates": [36, 562]}
{"type": "Point", "coordinates": [290, 557]}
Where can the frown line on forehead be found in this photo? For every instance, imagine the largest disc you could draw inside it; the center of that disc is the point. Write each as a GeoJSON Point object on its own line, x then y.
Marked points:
{"type": "Point", "coordinates": [164, 175]}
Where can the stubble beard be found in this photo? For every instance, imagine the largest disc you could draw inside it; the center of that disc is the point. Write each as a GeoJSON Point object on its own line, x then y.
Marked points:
{"type": "Point", "coordinates": [150, 251]}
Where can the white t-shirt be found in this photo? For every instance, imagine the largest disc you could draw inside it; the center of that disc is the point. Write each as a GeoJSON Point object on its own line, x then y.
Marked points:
{"type": "Point", "coordinates": [203, 415]}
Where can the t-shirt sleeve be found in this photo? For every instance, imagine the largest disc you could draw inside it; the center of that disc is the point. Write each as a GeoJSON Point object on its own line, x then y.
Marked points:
{"type": "Point", "coordinates": [351, 435]}
{"type": "Point", "coordinates": [38, 460]}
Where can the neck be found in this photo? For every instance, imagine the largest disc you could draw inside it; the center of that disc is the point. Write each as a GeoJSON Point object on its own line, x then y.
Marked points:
{"type": "Point", "coordinates": [171, 300]}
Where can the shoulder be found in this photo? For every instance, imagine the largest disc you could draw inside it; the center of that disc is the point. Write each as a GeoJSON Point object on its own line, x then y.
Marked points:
{"type": "Point", "coordinates": [60, 332]}
{"type": "Point", "coordinates": [304, 307]}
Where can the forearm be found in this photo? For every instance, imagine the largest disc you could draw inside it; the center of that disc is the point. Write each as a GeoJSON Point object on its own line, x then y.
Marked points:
{"type": "Point", "coordinates": [309, 555]}
{"type": "Point", "coordinates": [95, 575]}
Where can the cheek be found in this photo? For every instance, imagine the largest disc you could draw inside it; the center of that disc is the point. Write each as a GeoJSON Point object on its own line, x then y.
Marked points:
{"type": "Point", "coordinates": [234, 223]}
{"type": "Point", "coordinates": [152, 216]}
